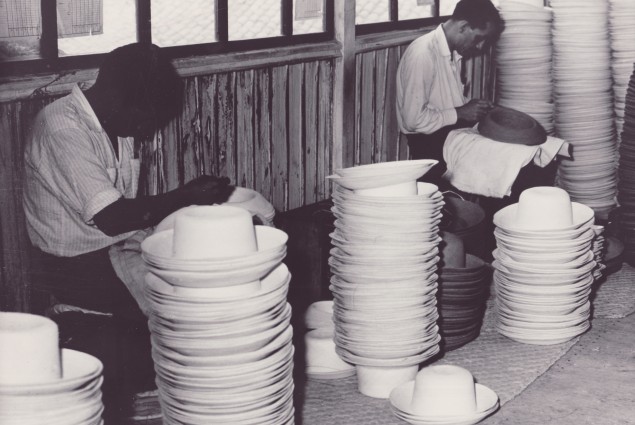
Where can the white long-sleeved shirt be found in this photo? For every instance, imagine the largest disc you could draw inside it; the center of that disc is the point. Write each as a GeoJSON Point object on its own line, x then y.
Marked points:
{"type": "Point", "coordinates": [429, 85]}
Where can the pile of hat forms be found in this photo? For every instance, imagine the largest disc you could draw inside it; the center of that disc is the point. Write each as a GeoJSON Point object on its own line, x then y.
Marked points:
{"type": "Point", "coordinates": [584, 114]}
{"type": "Point", "coordinates": [220, 321]}
{"type": "Point", "coordinates": [384, 264]}
{"type": "Point", "coordinates": [622, 32]}
{"type": "Point", "coordinates": [523, 60]}
{"type": "Point", "coordinates": [463, 288]}
{"type": "Point", "coordinates": [321, 358]}
{"type": "Point", "coordinates": [41, 384]}
{"type": "Point", "coordinates": [544, 266]}
{"type": "Point", "coordinates": [626, 171]}
{"type": "Point", "coordinates": [443, 395]}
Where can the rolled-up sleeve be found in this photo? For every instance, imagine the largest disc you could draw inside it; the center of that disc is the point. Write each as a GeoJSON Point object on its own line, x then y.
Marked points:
{"type": "Point", "coordinates": [81, 180]}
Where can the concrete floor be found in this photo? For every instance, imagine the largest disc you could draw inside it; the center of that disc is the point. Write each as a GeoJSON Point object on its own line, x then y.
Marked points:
{"type": "Point", "coordinates": [593, 384]}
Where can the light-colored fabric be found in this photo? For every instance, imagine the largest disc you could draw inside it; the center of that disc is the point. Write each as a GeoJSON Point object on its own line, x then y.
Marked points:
{"type": "Point", "coordinates": [429, 85]}
{"type": "Point", "coordinates": [482, 166]}
{"type": "Point", "coordinates": [130, 268]}
{"type": "Point", "coordinates": [72, 173]}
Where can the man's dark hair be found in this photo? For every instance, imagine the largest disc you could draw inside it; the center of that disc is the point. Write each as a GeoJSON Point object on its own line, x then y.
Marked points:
{"type": "Point", "coordinates": [144, 75]}
{"type": "Point", "coordinates": [478, 13]}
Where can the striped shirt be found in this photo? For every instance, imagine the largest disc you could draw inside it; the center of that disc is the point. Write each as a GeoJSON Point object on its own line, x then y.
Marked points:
{"type": "Point", "coordinates": [72, 173]}
{"type": "Point", "coordinates": [429, 85]}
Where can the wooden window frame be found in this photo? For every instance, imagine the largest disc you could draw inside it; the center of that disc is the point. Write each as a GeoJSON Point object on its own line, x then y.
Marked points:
{"type": "Point", "coordinates": [51, 62]}
{"type": "Point", "coordinates": [394, 23]}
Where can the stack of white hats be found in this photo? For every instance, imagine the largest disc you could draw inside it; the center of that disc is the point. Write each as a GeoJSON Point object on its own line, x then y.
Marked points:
{"type": "Point", "coordinates": [41, 384]}
{"type": "Point", "coordinates": [321, 358]}
{"type": "Point", "coordinates": [584, 114]}
{"type": "Point", "coordinates": [544, 267]}
{"type": "Point", "coordinates": [443, 395]}
{"type": "Point", "coordinates": [220, 322]}
{"type": "Point", "coordinates": [384, 265]}
{"type": "Point", "coordinates": [622, 32]}
{"type": "Point", "coordinates": [523, 60]}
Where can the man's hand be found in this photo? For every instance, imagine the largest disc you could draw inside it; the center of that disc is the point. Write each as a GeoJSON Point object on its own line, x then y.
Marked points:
{"type": "Point", "coordinates": [474, 110]}
{"type": "Point", "coordinates": [207, 190]}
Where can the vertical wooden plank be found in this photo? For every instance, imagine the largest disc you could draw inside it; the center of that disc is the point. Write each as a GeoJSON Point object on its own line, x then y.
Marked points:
{"type": "Point", "coordinates": [403, 152]}
{"type": "Point", "coordinates": [296, 142]}
{"type": "Point", "coordinates": [367, 105]}
{"type": "Point", "coordinates": [209, 130]}
{"type": "Point", "coordinates": [245, 128]}
{"type": "Point", "coordinates": [191, 131]}
{"type": "Point", "coordinates": [381, 103]}
{"type": "Point", "coordinates": [226, 134]}
{"type": "Point", "coordinates": [263, 133]}
{"type": "Point", "coordinates": [311, 129]}
{"type": "Point", "coordinates": [324, 134]}
{"type": "Point", "coordinates": [358, 109]}
{"type": "Point", "coordinates": [390, 142]}
{"type": "Point", "coordinates": [170, 144]}
{"type": "Point", "coordinates": [279, 137]}
{"type": "Point", "coordinates": [14, 243]}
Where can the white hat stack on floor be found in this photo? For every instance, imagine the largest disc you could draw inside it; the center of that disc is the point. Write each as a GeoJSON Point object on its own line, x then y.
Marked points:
{"type": "Point", "coordinates": [41, 384]}
{"type": "Point", "coordinates": [322, 360]}
{"type": "Point", "coordinates": [523, 59]}
{"type": "Point", "coordinates": [443, 395]}
{"type": "Point", "coordinates": [583, 95]}
{"type": "Point", "coordinates": [544, 267]}
{"type": "Point", "coordinates": [220, 322]}
{"type": "Point", "coordinates": [384, 264]}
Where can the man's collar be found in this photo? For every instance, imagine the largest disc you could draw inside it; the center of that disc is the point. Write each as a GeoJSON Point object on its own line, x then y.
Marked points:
{"type": "Point", "coordinates": [444, 47]}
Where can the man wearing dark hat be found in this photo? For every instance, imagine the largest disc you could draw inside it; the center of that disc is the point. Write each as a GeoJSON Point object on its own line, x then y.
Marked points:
{"type": "Point", "coordinates": [430, 92]}
{"type": "Point", "coordinates": [80, 199]}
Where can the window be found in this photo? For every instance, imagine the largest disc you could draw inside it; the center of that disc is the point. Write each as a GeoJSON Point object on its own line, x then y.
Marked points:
{"type": "Point", "coordinates": [51, 34]}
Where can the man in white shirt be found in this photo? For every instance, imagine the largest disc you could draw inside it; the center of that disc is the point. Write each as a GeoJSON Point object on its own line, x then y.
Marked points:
{"type": "Point", "coordinates": [430, 98]}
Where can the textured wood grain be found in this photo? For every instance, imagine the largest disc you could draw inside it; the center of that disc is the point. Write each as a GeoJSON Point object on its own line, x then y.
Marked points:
{"type": "Point", "coordinates": [324, 130]}
{"type": "Point", "coordinates": [245, 129]}
{"type": "Point", "coordinates": [262, 133]}
{"type": "Point", "coordinates": [310, 132]}
{"type": "Point", "coordinates": [367, 107]}
{"type": "Point", "coordinates": [279, 163]}
{"type": "Point", "coordinates": [296, 140]}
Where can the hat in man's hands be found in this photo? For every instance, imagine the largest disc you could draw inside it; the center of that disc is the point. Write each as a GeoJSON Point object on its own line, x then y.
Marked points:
{"type": "Point", "coordinates": [512, 126]}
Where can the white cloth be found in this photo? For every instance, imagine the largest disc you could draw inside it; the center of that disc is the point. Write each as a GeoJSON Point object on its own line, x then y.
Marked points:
{"type": "Point", "coordinates": [130, 268]}
{"type": "Point", "coordinates": [429, 85]}
{"type": "Point", "coordinates": [72, 173]}
{"type": "Point", "coordinates": [480, 165]}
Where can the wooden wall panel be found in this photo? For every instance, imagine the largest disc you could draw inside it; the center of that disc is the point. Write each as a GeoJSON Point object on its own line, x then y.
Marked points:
{"type": "Point", "coordinates": [296, 142]}
{"type": "Point", "coordinates": [280, 158]}
{"type": "Point", "coordinates": [324, 128]}
{"type": "Point", "coordinates": [310, 132]}
{"type": "Point", "coordinates": [262, 134]}
{"type": "Point", "coordinates": [367, 107]}
{"type": "Point", "coordinates": [245, 129]}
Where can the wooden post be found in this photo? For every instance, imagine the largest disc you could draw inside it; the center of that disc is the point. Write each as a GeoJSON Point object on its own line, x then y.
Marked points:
{"type": "Point", "coordinates": [344, 86]}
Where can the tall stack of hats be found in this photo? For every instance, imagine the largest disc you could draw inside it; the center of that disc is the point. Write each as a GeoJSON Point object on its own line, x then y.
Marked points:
{"type": "Point", "coordinates": [626, 184]}
{"type": "Point", "coordinates": [384, 264]}
{"type": "Point", "coordinates": [583, 94]}
{"type": "Point", "coordinates": [41, 384]}
{"type": "Point", "coordinates": [463, 288]}
{"type": "Point", "coordinates": [220, 322]}
{"type": "Point", "coordinates": [543, 267]}
{"type": "Point", "coordinates": [622, 32]}
{"type": "Point", "coordinates": [523, 60]}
